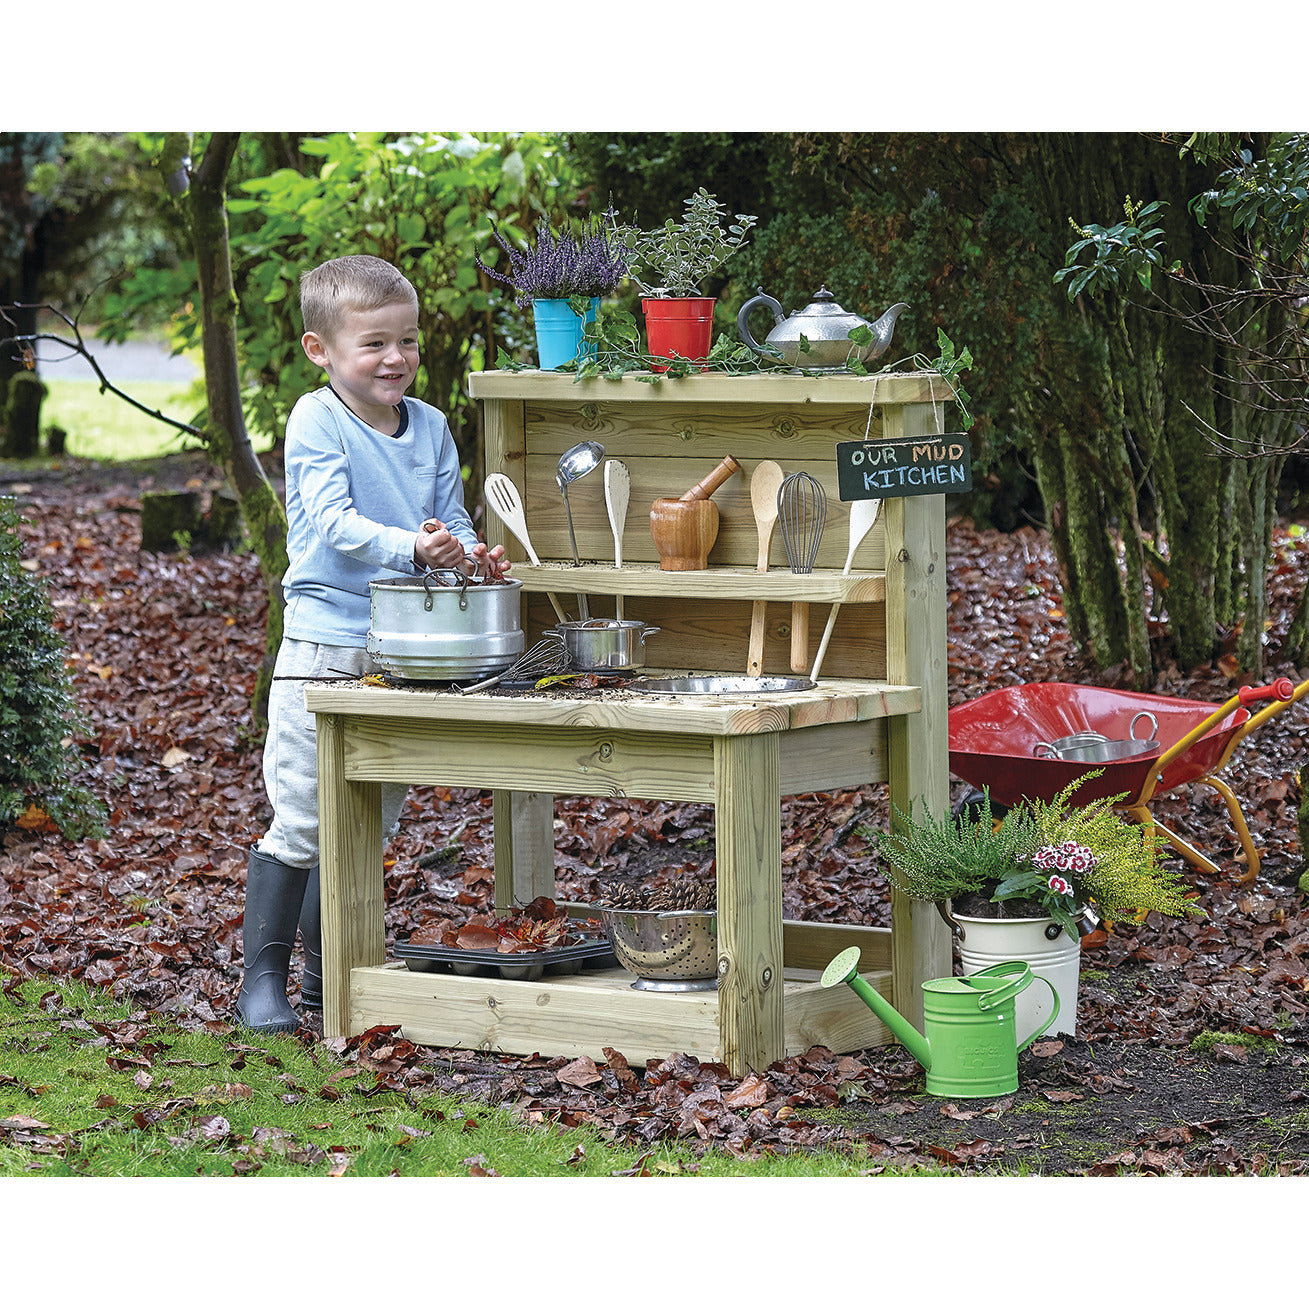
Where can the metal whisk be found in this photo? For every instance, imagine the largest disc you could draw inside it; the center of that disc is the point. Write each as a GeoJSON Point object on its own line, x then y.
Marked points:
{"type": "Point", "coordinates": [549, 655]}
{"type": "Point", "coordinates": [801, 514]}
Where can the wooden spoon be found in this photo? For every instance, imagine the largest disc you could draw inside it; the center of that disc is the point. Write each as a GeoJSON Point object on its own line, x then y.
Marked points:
{"type": "Point", "coordinates": [863, 514]}
{"type": "Point", "coordinates": [618, 486]}
{"type": "Point", "coordinates": [765, 482]}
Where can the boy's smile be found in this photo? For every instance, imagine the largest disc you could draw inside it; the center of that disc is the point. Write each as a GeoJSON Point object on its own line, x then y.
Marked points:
{"type": "Point", "coordinates": [371, 359]}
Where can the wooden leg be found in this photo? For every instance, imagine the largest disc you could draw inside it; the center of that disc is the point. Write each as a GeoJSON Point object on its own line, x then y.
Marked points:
{"type": "Point", "coordinates": [350, 873]}
{"type": "Point", "coordinates": [748, 826]}
{"type": "Point", "coordinates": [523, 835]}
{"type": "Point", "coordinates": [917, 744]}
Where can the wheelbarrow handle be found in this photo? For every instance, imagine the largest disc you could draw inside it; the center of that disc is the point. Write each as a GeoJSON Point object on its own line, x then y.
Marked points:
{"type": "Point", "coordinates": [1282, 689]}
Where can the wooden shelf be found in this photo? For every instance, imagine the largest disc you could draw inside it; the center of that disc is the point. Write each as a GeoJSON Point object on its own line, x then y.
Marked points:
{"type": "Point", "coordinates": [822, 586]}
{"type": "Point", "coordinates": [582, 1014]}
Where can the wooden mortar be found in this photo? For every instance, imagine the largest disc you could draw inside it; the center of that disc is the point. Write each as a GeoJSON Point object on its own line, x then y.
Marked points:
{"type": "Point", "coordinates": [685, 529]}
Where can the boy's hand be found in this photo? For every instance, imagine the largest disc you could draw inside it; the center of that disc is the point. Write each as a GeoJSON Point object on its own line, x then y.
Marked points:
{"type": "Point", "coordinates": [436, 547]}
{"type": "Point", "coordinates": [491, 564]}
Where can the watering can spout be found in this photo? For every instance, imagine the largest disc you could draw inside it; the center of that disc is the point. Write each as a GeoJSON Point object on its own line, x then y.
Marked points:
{"type": "Point", "coordinates": [845, 968]}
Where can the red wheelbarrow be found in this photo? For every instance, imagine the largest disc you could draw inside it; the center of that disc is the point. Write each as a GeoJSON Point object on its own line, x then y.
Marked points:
{"type": "Point", "coordinates": [1005, 741]}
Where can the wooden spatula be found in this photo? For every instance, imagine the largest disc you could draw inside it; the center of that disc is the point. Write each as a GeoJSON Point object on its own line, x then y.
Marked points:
{"type": "Point", "coordinates": [765, 482]}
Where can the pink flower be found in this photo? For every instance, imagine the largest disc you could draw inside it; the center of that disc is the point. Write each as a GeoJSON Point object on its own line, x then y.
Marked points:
{"type": "Point", "coordinates": [1060, 886]}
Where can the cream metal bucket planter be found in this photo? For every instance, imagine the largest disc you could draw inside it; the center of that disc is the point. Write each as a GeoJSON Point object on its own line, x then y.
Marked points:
{"type": "Point", "coordinates": [984, 942]}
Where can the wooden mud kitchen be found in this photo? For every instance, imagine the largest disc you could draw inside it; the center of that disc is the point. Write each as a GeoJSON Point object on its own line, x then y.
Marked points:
{"type": "Point", "coordinates": [876, 714]}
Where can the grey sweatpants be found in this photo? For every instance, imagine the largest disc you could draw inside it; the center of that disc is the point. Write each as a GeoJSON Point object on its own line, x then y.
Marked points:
{"type": "Point", "coordinates": [291, 751]}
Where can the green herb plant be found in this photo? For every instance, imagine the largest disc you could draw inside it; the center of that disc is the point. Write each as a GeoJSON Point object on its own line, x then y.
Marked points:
{"type": "Point", "coordinates": [677, 257]}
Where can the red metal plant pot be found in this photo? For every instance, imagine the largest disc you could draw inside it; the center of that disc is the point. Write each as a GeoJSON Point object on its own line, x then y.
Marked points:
{"type": "Point", "coordinates": [682, 327]}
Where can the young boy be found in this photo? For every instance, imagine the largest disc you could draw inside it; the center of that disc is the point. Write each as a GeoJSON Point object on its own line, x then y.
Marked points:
{"type": "Point", "coordinates": [373, 489]}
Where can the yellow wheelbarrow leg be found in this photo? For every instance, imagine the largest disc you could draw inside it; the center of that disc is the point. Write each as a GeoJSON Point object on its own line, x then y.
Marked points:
{"type": "Point", "coordinates": [1238, 822]}
{"type": "Point", "coordinates": [1283, 693]}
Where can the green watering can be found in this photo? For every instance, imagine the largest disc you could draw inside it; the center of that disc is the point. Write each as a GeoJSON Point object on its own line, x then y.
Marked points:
{"type": "Point", "coordinates": [970, 1049]}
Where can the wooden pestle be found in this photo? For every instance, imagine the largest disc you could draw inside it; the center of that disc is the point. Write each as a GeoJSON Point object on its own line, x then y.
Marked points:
{"type": "Point", "coordinates": [707, 485]}
{"type": "Point", "coordinates": [685, 529]}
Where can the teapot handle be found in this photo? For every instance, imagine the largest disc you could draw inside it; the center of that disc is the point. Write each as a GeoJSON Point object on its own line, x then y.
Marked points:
{"type": "Point", "coordinates": [743, 326]}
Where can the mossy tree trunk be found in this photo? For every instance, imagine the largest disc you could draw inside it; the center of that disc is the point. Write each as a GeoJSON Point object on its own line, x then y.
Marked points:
{"type": "Point", "coordinates": [225, 434]}
{"type": "Point", "coordinates": [1157, 449]}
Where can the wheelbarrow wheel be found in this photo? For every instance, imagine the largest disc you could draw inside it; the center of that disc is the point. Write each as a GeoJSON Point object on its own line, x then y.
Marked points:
{"type": "Point", "coordinates": [972, 805]}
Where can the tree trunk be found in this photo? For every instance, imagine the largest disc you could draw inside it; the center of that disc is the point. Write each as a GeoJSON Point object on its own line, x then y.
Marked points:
{"type": "Point", "coordinates": [225, 433]}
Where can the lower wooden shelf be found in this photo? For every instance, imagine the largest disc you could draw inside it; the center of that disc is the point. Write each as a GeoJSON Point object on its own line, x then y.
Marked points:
{"type": "Point", "coordinates": [582, 1014]}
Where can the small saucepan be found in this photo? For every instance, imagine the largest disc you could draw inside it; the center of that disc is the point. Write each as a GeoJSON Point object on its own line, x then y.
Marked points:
{"type": "Point", "coordinates": [598, 643]}
{"type": "Point", "coordinates": [1092, 748]}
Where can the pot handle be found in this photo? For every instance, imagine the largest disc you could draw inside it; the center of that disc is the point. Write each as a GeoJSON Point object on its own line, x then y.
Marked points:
{"type": "Point", "coordinates": [649, 631]}
{"type": "Point", "coordinates": [955, 926]}
{"type": "Point", "coordinates": [1054, 995]}
{"type": "Point", "coordinates": [1154, 726]}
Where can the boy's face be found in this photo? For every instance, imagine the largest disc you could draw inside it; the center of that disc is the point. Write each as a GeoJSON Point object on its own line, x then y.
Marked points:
{"type": "Point", "coordinates": [371, 359]}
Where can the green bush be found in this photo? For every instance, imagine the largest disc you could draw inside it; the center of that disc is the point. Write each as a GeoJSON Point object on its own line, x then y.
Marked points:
{"type": "Point", "coordinates": [37, 711]}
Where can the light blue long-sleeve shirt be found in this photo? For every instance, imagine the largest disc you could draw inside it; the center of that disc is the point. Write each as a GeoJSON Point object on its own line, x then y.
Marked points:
{"type": "Point", "coordinates": [355, 500]}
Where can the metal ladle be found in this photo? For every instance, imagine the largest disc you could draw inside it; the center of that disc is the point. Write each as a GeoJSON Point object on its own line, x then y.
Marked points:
{"type": "Point", "coordinates": [575, 463]}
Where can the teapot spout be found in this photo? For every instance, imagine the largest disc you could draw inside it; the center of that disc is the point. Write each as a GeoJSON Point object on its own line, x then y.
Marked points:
{"type": "Point", "coordinates": [845, 968]}
{"type": "Point", "coordinates": [884, 329]}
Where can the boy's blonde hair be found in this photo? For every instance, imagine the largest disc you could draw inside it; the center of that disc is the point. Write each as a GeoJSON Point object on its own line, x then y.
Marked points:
{"type": "Point", "coordinates": [353, 282]}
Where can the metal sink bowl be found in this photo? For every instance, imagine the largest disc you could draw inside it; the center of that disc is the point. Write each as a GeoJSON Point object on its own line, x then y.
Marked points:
{"type": "Point", "coordinates": [667, 949]}
{"type": "Point", "coordinates": [720, 684]}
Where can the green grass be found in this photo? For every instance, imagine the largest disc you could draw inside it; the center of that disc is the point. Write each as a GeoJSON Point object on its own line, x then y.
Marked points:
{"type": "Point", "coordinates": [90, 1089]}
{"type": "Point", "coordinates": [106, 427]}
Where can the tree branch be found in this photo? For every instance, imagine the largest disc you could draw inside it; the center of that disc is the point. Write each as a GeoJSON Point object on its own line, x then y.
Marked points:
{"type": "Point", "coordinates": [26, 340]}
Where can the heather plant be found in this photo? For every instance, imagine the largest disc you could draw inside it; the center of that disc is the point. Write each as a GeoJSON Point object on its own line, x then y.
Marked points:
{"type": "Point", "coordinates": [38, 714]}
{"type": "Point", "coordinates": [1061, 857]}
{"type": "Point", "coordinates": [583, 260]}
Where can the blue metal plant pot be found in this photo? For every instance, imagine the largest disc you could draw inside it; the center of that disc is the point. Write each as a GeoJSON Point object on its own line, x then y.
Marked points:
{"type": "Point", "coordinates": [559, 331]}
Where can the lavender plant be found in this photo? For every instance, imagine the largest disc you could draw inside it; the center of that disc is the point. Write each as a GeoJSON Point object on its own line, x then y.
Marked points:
{"type": "Point", "coordinates": [583, 260]}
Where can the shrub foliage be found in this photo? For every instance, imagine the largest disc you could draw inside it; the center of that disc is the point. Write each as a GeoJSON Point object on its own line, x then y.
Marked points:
{"type": "Point", "coordinates": [38, 715]}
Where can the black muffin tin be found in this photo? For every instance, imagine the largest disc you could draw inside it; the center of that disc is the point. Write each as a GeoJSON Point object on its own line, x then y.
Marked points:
{"type": "Point", "coordinates": [524, 966]}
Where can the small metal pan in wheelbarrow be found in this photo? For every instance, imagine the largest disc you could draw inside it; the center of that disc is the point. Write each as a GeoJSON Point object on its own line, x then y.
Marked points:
{"type": "Point", "coordinates": [996, 740]}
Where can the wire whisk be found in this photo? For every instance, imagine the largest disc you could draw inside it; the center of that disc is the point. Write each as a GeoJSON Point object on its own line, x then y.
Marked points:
{"type": "Point", "coordinates": [801, 515]}
{"type": "Point", "coordinates": [548, 656]}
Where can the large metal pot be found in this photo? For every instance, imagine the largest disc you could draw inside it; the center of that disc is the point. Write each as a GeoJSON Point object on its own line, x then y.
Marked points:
{"type": "Point", "coordinates": [599, 643]}
{"type": "Point", "coordinates": [443, 627]}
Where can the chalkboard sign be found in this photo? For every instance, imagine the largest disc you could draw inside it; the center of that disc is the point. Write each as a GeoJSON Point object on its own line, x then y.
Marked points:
{"type": "Point", "coordinates": [918, 465]}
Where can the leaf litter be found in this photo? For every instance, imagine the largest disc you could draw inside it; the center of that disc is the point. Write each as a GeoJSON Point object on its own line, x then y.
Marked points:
{"type": "Point", "coordinates": [1192, 1053]}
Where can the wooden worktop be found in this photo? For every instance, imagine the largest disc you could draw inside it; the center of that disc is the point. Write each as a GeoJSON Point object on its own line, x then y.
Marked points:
{"type": "Point", "coordinates": [836, 701]}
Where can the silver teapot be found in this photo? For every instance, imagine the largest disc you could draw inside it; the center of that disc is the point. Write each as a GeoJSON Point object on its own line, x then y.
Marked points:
{"type": "Point", "coordinates": [825, 328]}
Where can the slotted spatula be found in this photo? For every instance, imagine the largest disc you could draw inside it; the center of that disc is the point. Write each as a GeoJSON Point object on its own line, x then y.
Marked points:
{"type": "Point", "coordinates": [502, 495]}
{"type": "Point", "coordinates": [863, 514]}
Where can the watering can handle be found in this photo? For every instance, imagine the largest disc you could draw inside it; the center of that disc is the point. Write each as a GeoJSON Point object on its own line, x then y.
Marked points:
{"type": "Point", "coordinates": [1022, 980]}
{"type": "Point", "coordinates": [1054, 995]}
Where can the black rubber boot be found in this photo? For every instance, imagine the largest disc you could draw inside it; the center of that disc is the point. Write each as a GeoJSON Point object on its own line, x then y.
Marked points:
{"type": "Point", "coordinates": [274, 892]}
{"type": "Point", "coordinates": [311, 938]}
